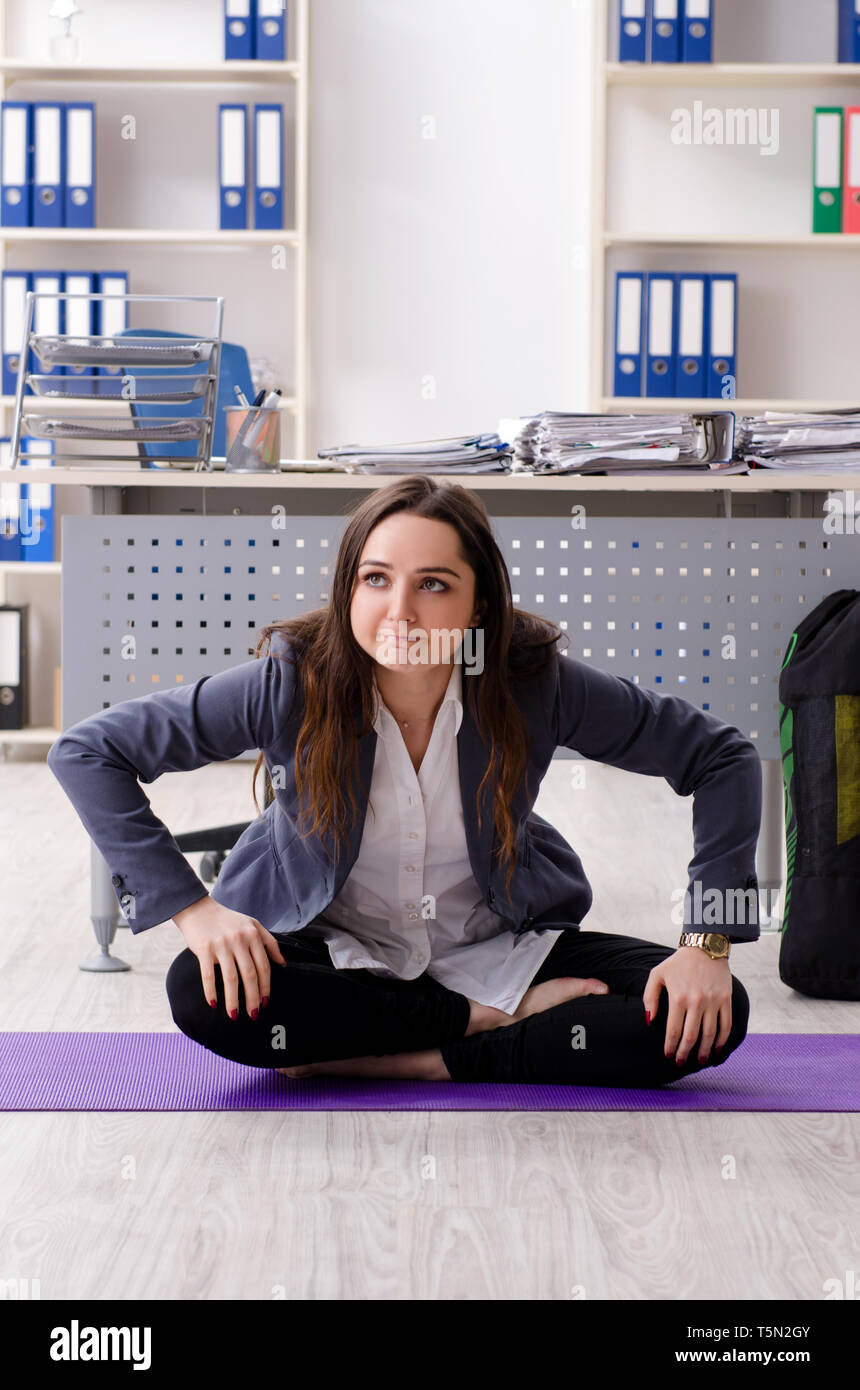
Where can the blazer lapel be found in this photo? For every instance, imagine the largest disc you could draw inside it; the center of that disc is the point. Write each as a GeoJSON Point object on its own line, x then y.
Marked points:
{"type": "Point", "coordinates": [473, 761]}
{"type": "Point", "coordinates": [361, 791]}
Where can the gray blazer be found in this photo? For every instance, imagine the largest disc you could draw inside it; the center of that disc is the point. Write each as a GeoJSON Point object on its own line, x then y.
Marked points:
{"type": "Point", "coordinates": [285, 881]}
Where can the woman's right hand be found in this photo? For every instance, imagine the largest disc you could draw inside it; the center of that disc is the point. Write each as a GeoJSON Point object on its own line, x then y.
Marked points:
{"type": "Point", "coordinates": [239, 944]}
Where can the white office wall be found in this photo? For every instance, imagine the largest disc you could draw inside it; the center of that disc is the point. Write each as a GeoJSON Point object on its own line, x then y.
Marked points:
{"type": "Point", "coordinates": [449, 158]}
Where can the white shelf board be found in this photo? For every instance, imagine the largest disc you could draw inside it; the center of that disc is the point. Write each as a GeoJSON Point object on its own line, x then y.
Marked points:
{"type": "Point", "coordinates": [157, 236]}
{"type": "Point", "coordinates": [91, 403]}
{"type": "Point", "coordinates": [730, 74]}
{"type": "Point", "coordinates": [36, 71]}
{"type": "Point", "coordinates": [739, 406]}
{"type": "Point", "coordinates": [35, 733]}
{"type": "Point", "coordinates": [839, 241]}
{"type": "Point", "coordinates": [30, 566]}
{"type": "Point", "coordinates": [765, 480]}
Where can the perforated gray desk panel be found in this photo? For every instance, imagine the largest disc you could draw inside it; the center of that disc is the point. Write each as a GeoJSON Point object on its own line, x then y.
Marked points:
{"type": "Point", "coordinates": [700, 607]}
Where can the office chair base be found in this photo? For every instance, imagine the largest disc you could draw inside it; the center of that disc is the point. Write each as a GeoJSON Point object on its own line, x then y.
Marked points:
{"type": "Point", "coordinates": [103, 963]}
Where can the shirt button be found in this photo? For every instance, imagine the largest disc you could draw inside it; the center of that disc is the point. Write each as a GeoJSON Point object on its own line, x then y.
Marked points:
{"type": "Point", "coordinates": [412, 916]}
{"type": "Point", "coordinates": [413, 834]}
{"type": "Point", "coordinates": [410, 868]}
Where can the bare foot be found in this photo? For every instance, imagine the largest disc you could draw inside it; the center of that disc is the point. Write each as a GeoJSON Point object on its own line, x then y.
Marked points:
{"type": "Point", "coordinates": [484, 1017]}
{"type": "Point", "coordinates": [416, 1066]}
{"type": "Point", "coordinates": [429, 1066]}
{"type": "Point", "coordinates": [545, 996]}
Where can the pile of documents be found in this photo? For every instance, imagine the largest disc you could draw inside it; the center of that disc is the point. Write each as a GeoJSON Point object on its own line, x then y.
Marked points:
{"type": "Point", "coordinates": [556, 442]}
{"type": "Point", "coordinates": [818, 443]}
{"type": "Point", "coordinates": [472, 453]}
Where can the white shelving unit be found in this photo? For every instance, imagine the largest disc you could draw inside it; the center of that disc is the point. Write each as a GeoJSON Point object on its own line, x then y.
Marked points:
{"type": "Point", "coordinates": [270, 77]}
{"type": "Point", "coordinates": [730, 74]}
{"type": "Point", "coordinates": [614, 81]}
{"type": "Point", "coordinates": [234, 71]}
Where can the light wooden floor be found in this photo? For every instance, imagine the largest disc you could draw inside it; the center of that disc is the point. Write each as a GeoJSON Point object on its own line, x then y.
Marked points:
{"type": "Point", "coordinates": [395, 1205]}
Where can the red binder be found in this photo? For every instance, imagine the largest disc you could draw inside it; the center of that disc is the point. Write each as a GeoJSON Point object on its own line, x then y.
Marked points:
{"type": "Point", "coordinates": [851, 171]}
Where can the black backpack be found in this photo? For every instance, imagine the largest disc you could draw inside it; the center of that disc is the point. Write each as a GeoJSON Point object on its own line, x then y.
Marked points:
{"type": "Point", "coordinates": [819, 729]}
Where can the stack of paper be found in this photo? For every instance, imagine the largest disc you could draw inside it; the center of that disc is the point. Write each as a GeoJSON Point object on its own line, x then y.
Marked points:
{"type": "Point", "coordinates": [817, 443]}
{"type": "Point", "coordinates": [474, 453]}
{"type": "Point", "coordinates": [557, 442]}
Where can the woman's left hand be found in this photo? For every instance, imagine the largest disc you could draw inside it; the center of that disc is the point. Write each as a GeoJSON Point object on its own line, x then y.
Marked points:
{"type": "Point", "coordinates": [700, 995]}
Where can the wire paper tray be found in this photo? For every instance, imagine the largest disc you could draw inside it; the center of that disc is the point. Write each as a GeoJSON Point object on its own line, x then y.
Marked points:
{"type": "Point", "coordinates": [154, 429]}
{"type": "Point", "coordinates": [127, 352]}
{"type": "Point", "coordinates": [143, 367]}
{"type": "Point", "coordinates": [86, 386]}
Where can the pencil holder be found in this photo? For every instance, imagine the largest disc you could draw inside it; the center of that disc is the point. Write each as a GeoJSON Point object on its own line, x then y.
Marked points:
{"type": "Point", "coordinates": [257, 448]}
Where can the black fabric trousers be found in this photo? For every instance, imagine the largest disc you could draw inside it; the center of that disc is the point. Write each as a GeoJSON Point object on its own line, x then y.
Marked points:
{"type": "Point", "coordinates": [317, 1013]}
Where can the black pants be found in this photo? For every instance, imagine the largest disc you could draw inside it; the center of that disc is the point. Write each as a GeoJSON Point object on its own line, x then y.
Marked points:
{"type": "Point", "coordinates": [317, 1013]}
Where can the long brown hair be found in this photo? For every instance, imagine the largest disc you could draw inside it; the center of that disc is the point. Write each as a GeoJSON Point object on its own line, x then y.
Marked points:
{"type": "Point", "coordinates": [336, 674]}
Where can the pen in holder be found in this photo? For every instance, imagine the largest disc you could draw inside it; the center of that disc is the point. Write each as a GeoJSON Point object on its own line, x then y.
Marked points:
{"type": "Point", "coordinates": [253, 442]}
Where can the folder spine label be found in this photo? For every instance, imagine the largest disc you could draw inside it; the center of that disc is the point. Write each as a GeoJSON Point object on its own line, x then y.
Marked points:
{"type": "Point", "coordinates": [80, 180]}
{"type": "Point", "coordinates": [49, 163]}
{"type": "Point", "coordinates": [696, 31]}
{"type": "Point", "coordinates": [665, 32]}
{"type": "Point", "coordinates": [633, 22]}
{"type": "Point", "coordinates": [233, 166]}
{"type": "Point", "coordinates": [630, 289]}
{"type": "Point", "coordinates": [693, 295]}
{"type": "Point", "coordinates": [722, 325]}
{"type": "Point", "coordinates": [271, 39]}
{"type": "Point", "coordinates": [268, 166]}
{"type": "Point", "coordinates": [827, 169]}
{"type": "Point", "coordinates": [239, 30]}
{"type": "Point", "coordinates": [662, 328]}
{"type": "Point", "coordinates": [851, 169]}
{"type": "Point", "coordinates": [16, 156]}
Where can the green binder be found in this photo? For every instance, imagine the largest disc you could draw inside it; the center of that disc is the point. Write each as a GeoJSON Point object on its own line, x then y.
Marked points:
{"type": "Point", "coordinates": [827, 169]}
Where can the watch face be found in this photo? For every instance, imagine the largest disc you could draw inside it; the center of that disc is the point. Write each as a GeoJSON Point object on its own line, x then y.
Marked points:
{"type": "Point", "coordinates": [718, 942]}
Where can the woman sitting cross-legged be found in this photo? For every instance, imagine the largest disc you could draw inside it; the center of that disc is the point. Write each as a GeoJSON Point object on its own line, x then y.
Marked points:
{"type": "Point", "coordinates": [399, 909]}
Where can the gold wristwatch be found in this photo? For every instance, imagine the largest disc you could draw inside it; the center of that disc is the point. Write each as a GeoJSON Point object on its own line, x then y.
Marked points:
{"type": "Point", "coordinates": [716, 945]}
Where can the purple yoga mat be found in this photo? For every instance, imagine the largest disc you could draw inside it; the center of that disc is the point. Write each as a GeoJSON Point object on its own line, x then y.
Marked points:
{"type": "Point", "coordinates": [168, 1071]}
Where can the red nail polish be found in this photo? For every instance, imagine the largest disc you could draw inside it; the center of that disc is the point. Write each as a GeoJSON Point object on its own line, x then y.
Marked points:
{"type": "Point", "coordinates": [234, 1014]}
{"type": "Point", "coordinates": [680, 1061]}
{"type": "Point", "coordinates": [719, 1046]}
{"type": "Point", "coordinates": [648, 1016]}
{"type": "Point", "coordinates": [214, 1003]}
{"type": "Point", "coordinates": [254, 1013]}
{"type": "Point", "coordinates": [265, 1001]}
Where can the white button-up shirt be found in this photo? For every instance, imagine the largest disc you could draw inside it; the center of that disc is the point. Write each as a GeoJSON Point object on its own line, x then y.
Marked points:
{"type": "Point", "coordinates": [411, 902]}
